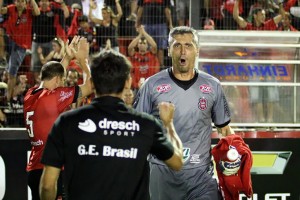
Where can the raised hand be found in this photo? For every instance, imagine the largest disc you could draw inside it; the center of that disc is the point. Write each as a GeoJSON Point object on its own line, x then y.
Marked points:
{"type": "Point", "coordinates": [81, 52]}
{"type": "Point", "coordinates": [72, 45]}
{"type": "Point", "coordinates": [166, 112]}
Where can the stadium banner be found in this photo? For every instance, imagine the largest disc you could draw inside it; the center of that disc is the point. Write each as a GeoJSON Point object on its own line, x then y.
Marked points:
{"type": "Point", "coordinates": [249, 72]}
{"type": "Point", "coordinates": [14, 147]}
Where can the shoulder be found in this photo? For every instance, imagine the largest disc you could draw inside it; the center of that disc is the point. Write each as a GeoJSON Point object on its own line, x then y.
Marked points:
{"type": "Point", "coordinates": [77, 113]}
{"type": "Point", "coordinates": [161, 76]}
{"type": "Point", "coordinates": [203, 75]}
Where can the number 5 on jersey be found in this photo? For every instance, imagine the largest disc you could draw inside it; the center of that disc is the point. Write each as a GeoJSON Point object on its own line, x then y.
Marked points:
{"type": "Point", "coordinates": [29, 123]}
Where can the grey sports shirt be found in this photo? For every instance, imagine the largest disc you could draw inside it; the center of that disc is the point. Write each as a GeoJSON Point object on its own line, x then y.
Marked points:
{"type": "Point", "coordinates": [196, 107]}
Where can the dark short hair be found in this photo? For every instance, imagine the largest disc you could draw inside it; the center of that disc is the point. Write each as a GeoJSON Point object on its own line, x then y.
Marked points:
{"type": "Point", "coordinates": [52, 69]}
{"type": "Point", "coordinates": [110, 70]}
{"type": "Point", "coordinates": [82, 18]}
{"type": "Point", "coordinates": [256, 10]}
{"type": "Point", "coordinates": [180, 30]}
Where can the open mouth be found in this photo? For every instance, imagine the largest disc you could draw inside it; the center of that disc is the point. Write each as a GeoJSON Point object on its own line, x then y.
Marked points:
{"type": "Point", "coordinates": [182, 61]}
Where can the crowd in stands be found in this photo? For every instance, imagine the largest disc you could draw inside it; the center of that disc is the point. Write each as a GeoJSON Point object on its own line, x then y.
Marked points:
{"type": "Point", "coordinates": [33, 32]}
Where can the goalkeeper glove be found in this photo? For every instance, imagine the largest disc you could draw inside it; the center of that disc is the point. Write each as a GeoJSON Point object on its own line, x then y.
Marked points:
{"type": "Point", "coordinates": [229, 168]}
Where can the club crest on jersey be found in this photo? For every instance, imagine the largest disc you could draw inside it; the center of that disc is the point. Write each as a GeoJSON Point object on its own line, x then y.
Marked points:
{"type": "Point", "coordinates": [163, 88]}
{"type": "Point", "coordinates": [205, 89]}
{"type": "Point", "coordinates": [202, 105]}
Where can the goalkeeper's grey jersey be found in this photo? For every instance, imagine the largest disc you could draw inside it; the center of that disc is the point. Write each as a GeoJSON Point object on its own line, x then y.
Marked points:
{"type": "Point", "coordinates": [197, 105]}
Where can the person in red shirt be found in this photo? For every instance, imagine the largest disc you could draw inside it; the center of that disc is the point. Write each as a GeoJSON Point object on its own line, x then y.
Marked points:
{"type": "Point", "coordinates": [44, 103]}
{"type": "Point", "coordinates": [286, 23]}
{"type": "Point", "coordinates": [259, 19]}
{"type": "Point", "coordinates": [263, 99]}
{"type": "Point", "coordinates": [72, 24]}
{"type": "Point", "coordinates": [18, 27]}
{"type": "Point", "coordinates": [144, 60]}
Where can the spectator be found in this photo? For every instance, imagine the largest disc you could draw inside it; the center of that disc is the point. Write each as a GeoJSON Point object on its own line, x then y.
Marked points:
{"type": "Point", "coordinates": [144, 60]}
{"type": "Point", "coordinates": [227, 10]}
{"type": "Point", "coordinates": [57, 53]}
{"type": "Point", "coordinates": [72, 77]}
{"type": "Point", "coordinates": [109, 161]}
{"type": "Point", "coordinates": [182, 12]}
{"type": "Point", "coordinates": [89, 32]}
{"type": "Point", "coordinates": [156, 17]}
{"type": "Point", "coordinates": [15, 113]}
{"type": "Point", "coordinates": [264, 99]}
{"type": "Point", "coordinates": [44, 103]}
{"type": "Point", "coordinates": [199, 101]}
{"type": "Point", "coordinates": [133, 10]}
{"type": "Point", "coordinates": [108, 26]}
{"type": "Point", "coordinates": [45, 30]}
{"type": "Point", "coordinates": [286, 23]}
{"type": "Point", "coordinates": [2, 119]}
{"type": "Point", "coordinates": [293, 7]}
{"type": "Point", "coordinates": [72, 24]}
{"type": "Point", "coordinates": [259, 17]}
{"type": "Point", "coordinates": [72, 80]}
{"type": "Point", "coordinates": [128, 97]}
{"type": "Point", "coordinates": [18, 27]}
{"type": "Point", "coordinates": [3, 61]}
{"type": "Point", "coordinates": [215, 13]}
{"type": "Point", "coordinates": [3, 90]}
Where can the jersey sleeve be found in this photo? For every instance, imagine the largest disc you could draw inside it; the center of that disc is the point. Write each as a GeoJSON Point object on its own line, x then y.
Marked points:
{"type": "Point", "coordinates": [162, 147]}
{"type": "Point", "coordinates": [66, 96]}
{"type": "Point", "coordinates": [220, 112]}
{"type": "Point", "coordinates": [53, 153]}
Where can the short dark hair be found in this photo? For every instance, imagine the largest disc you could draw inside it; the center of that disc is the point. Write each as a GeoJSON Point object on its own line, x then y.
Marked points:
{"type": "Point", "coordinates": [52, 69]}
{"type": "Point", "coordinates": [180, 30]}
{"type": "Point", "coordinates": [110, 70]}
{"type": "Point", "coordinates": [82, 18]}
{"type": "Point", "coordinates": [256, 10]}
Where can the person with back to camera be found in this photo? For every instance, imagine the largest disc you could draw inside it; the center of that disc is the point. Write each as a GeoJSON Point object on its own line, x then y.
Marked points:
{"type": "Point", "coordinates": [44, 103]}
{"type": "Point", "coordinates": [104, 146]}
{"type": "Point", "coordinates": [199, 101]}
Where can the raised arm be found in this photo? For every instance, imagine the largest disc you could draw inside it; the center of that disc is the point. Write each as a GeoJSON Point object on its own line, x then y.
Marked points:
{"type": "Point", "coordinates": [277, 19]}
{"type": "Point", "coordinates": [132, 45]}
{"type": "Point", "coordinates": [35, 8]}
{"type": "Point", "coordinates": [65, 9]}
{"type": "Point", "coordinates": [166, 113]}
{"type": "Point", "coordinates": [150, 40]}
{"type": "Point", "coordinates": [236, 16]}
{"type": "Point", "coordinates": [169, 17]}
{"type": "Point", "coordinates": [91, 16]}
{"type": "Point", "coordinates": [43, 59]}
{"type": "Point", "coordinates": [82, 55]}
{"type": "Point", "coordinates": [139, 17]}
{"type": "Point", "coordinates": [119, 11]}
{"type": "Point", "coordinates": [69, 53]}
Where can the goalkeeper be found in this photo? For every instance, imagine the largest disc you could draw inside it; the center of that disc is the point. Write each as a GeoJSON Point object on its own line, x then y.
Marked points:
{"type": "Point", "coordinates": [199, 101]}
